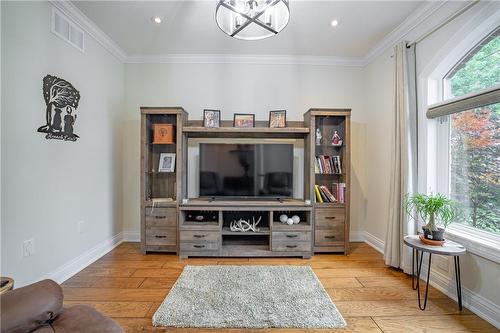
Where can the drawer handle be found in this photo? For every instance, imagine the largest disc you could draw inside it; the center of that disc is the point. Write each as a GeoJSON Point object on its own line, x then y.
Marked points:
{"type": "Point", "coordinates": [199, 236]}
{"type": "Point", "coordinates": [160, 217]}
{"type": "Point", "coordinates": [199, 246]}
{"type": "Point", "coordinates": [329, 217]}
{"type": "Point", "coordinates": [160, 236]}
{"type": "Point", "coordinates": [329, 237]}
{"type": "Point", "coordinates": [291, 236]}
{"type": "Point", "coordinates": [291, 246]}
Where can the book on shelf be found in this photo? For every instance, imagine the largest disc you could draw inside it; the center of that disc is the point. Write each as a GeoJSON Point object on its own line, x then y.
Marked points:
{"type": "Point", "coordinates": [338, 190]}
{"type": "Point", "coordinates": [318, 194]}
{"type": "Point", "coordinates": [328, 194]}
{"type": "Point", "coordinates": [323, 194]}
{"type": "Point", "coordinates": [327, 164]}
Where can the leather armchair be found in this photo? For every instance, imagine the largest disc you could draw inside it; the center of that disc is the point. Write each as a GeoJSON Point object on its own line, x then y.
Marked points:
{"type": "Point", "coordinates": [39, 308]}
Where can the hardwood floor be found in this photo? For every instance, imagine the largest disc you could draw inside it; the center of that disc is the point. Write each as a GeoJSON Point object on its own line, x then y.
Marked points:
{"type": "Point", "coordinates": [372, 298]}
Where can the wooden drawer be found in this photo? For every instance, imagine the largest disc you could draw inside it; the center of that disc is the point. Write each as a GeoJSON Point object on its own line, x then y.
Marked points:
{"type": "Point", "coordinates": [201, 236]}
{"type": "Point", "coordinates": [161, 217]}
{"type": "Point", "coordinates": [291, 246]}
{"type": "Point", "coordinates": [329, 218]}
{"type": "Point", "coordinates": [199, 246]}
{"type": "Point", "coordinates": [329, 237]}
{"type": "Point", "coordinates": [291, 236]}
{"type": "Point", "coordinates": [161, 236]}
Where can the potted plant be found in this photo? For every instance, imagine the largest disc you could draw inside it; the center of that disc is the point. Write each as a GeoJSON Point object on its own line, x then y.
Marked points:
{"type": "Point", "coordinates": [436, 210]}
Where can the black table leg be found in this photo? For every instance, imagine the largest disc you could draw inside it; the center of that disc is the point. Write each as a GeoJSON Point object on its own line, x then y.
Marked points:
{"type": "Point", "coordinates": [459, 281]}
{"type": "Point", "coordinates": [419, 268]}
{"type": "Point", "coordinates": [414, 259]}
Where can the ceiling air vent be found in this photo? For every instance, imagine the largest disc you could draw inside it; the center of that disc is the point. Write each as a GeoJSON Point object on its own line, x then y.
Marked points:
{"type": "Point", "coordinates": [67, 30]}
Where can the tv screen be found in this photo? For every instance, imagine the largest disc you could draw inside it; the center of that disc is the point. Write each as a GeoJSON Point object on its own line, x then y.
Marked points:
{"type": "Point", "coordinates": [246, 170]}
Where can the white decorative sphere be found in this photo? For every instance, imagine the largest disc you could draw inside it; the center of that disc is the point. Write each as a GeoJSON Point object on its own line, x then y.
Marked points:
{"type": "Point", "coordinates": [289, 221]}
{"type": "Point", "coordinates": [295, 219]}
{"type": "Point", "coordinates": [283, 218]}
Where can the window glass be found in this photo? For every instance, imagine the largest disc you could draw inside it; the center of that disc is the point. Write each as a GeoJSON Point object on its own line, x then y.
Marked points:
{"type": "Point", "coordinates": [475, 166]}
{"type": "Point", "coordinates": [480, 69]}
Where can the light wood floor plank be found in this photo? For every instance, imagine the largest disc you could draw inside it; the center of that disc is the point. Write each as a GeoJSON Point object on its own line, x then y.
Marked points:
{"type": "Point", "coordinates": [437, 324]}
{"type": "Point", "coordinates": [88, 281]}
{"type": "Point", "coordinates": [373, 294]}
{"type": "Point", "coordinates": [349, 282]}
{"type": "Point", "coordinates": [114, 294]}
{"type": "Point", "coordinates": [384, 281]}
{"type": "Point", "coordinates": [382, 308]}
{"type": "Point", "coordinates": [118, 309]}
{"type": "Point", "coordinates": [162, 272]}
{"type": "Point", "coordinates": [158, 282]}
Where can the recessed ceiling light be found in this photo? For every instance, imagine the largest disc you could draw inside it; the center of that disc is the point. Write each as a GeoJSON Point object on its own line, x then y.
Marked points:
{"type": "Point", "coordinates": [334, 23]}
{"type": "Point", "coordinates": [156, 19]}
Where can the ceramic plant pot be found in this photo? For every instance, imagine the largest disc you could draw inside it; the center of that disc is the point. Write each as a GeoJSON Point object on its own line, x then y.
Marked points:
{"type": "Point", "coordinates": [437, 235]}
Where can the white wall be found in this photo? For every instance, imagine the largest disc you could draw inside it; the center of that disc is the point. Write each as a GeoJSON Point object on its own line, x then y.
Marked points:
{"type": "Point", "coordinates": [49, 185]}
{"type": "Point", "coordinates": [479, 276]}
{"type": "Point", "coordinates": [241, 88]}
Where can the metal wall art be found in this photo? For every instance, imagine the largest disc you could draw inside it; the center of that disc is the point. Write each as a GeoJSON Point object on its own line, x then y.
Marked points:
{"type": "Point", "coordinates": [61, 100]}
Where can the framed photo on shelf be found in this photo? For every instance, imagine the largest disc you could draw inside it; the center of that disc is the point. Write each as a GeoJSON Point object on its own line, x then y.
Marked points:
{"type": "Point", "coordinates": [277, 119]}
{"type": "Point", "coordinates": [243, 120]}
{"type": "Point", "coordinates": [167, 162]}
{"type": "Point", "coordinates": [211, 118]}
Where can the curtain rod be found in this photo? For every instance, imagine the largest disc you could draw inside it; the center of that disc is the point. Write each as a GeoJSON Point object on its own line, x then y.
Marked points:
{"type": "Point", "coordinates": [448, 20]}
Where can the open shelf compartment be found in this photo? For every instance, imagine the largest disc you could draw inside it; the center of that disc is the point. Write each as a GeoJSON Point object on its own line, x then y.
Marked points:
{"type": "Point", "coordinates": [263, 226]}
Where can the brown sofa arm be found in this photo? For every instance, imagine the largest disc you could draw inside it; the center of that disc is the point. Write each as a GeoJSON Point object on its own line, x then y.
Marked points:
{"type": "Point", "coordinates": [27, 308]}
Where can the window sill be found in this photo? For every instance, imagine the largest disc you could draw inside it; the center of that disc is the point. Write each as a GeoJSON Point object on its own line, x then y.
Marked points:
{"type": "Point", "coordinates": [481, 243]}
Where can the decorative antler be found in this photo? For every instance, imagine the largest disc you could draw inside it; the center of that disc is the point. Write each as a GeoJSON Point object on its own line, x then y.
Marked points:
{"type": "Point", "coordinates": [243, 226]}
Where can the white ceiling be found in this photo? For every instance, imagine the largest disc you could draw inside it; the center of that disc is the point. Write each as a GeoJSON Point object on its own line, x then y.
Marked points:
{"type": "Point", "coordinates": [189, 27]}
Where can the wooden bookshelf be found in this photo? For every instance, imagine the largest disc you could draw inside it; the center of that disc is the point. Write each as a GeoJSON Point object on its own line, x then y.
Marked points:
{"type": "Point", "coordinates": [331, 219]}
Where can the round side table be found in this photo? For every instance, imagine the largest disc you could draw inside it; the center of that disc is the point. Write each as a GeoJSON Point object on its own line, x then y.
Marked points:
{"type": "Point", "coordinates": [6, 284]}
{"type": "Point", "coordinates": [449, 248]}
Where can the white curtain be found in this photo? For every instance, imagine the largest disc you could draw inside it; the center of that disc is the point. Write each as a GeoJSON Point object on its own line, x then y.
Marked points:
{"type": "Point", "coordinates": [404, 157]}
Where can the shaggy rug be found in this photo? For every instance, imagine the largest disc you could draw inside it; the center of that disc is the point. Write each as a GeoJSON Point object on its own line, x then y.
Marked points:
{"type": "Point", "coordinates": [248, 297]}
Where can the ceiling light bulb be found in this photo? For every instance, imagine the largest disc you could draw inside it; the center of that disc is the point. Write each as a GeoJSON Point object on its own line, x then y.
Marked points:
{"type": "Point", "coordinates": [335, 23]}
{"type": "Point", "coordinates": [157, 19]}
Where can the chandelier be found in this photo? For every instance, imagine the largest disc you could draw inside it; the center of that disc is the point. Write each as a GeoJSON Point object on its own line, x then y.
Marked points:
{"type": "Point", "coordinates": [252, 19]}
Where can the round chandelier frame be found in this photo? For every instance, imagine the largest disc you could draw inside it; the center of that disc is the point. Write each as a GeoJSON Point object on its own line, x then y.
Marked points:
{"type": "Point", "coordinates": [252, 19]}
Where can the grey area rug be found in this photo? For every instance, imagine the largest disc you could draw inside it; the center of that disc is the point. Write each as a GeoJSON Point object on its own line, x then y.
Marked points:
{"type": "Point", "coordinates": [248, 297]}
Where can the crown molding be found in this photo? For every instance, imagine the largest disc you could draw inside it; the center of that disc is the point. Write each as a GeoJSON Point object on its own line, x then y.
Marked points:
{"type": "Point", "coordinates": [411, 22]}
{"type": "Point", "coordinates": [79, 18]}
{"type": "Point", "coordinates": [245, 59]}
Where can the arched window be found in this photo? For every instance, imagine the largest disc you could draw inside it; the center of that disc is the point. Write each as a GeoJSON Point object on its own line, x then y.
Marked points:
{"type": "Point", "coordinates": [474, 141]}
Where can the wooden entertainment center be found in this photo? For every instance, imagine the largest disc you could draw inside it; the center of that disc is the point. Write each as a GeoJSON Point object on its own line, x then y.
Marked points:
{"type": "Point", "coordinates": [172, 222]}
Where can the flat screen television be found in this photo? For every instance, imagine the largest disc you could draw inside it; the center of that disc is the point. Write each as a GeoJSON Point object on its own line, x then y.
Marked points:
{"type": "Point", "coordinates": [246, 170]}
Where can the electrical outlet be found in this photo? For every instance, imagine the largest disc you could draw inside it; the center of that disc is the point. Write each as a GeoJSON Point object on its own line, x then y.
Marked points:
{"type": "Point", "coordinates": [81, 227]}
{"type": "Point", "coordinates": [28, 247]}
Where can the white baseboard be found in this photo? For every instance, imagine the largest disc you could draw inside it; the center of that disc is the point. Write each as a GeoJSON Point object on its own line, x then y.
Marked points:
{"type": "Point", "coordinates": [75, 265]}
{"type": "Point", "coordinates": [374, 242]}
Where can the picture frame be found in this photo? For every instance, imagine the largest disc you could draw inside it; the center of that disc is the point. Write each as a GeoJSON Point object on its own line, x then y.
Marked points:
{"type": "Point", "coordinates": [166, 162]}
{"type": "Point", "coordinates": [277, 119]}
{"type": "Point", "coordinates": [244, 120]}
{"type": "Point", "coordinates": [211, 118]}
